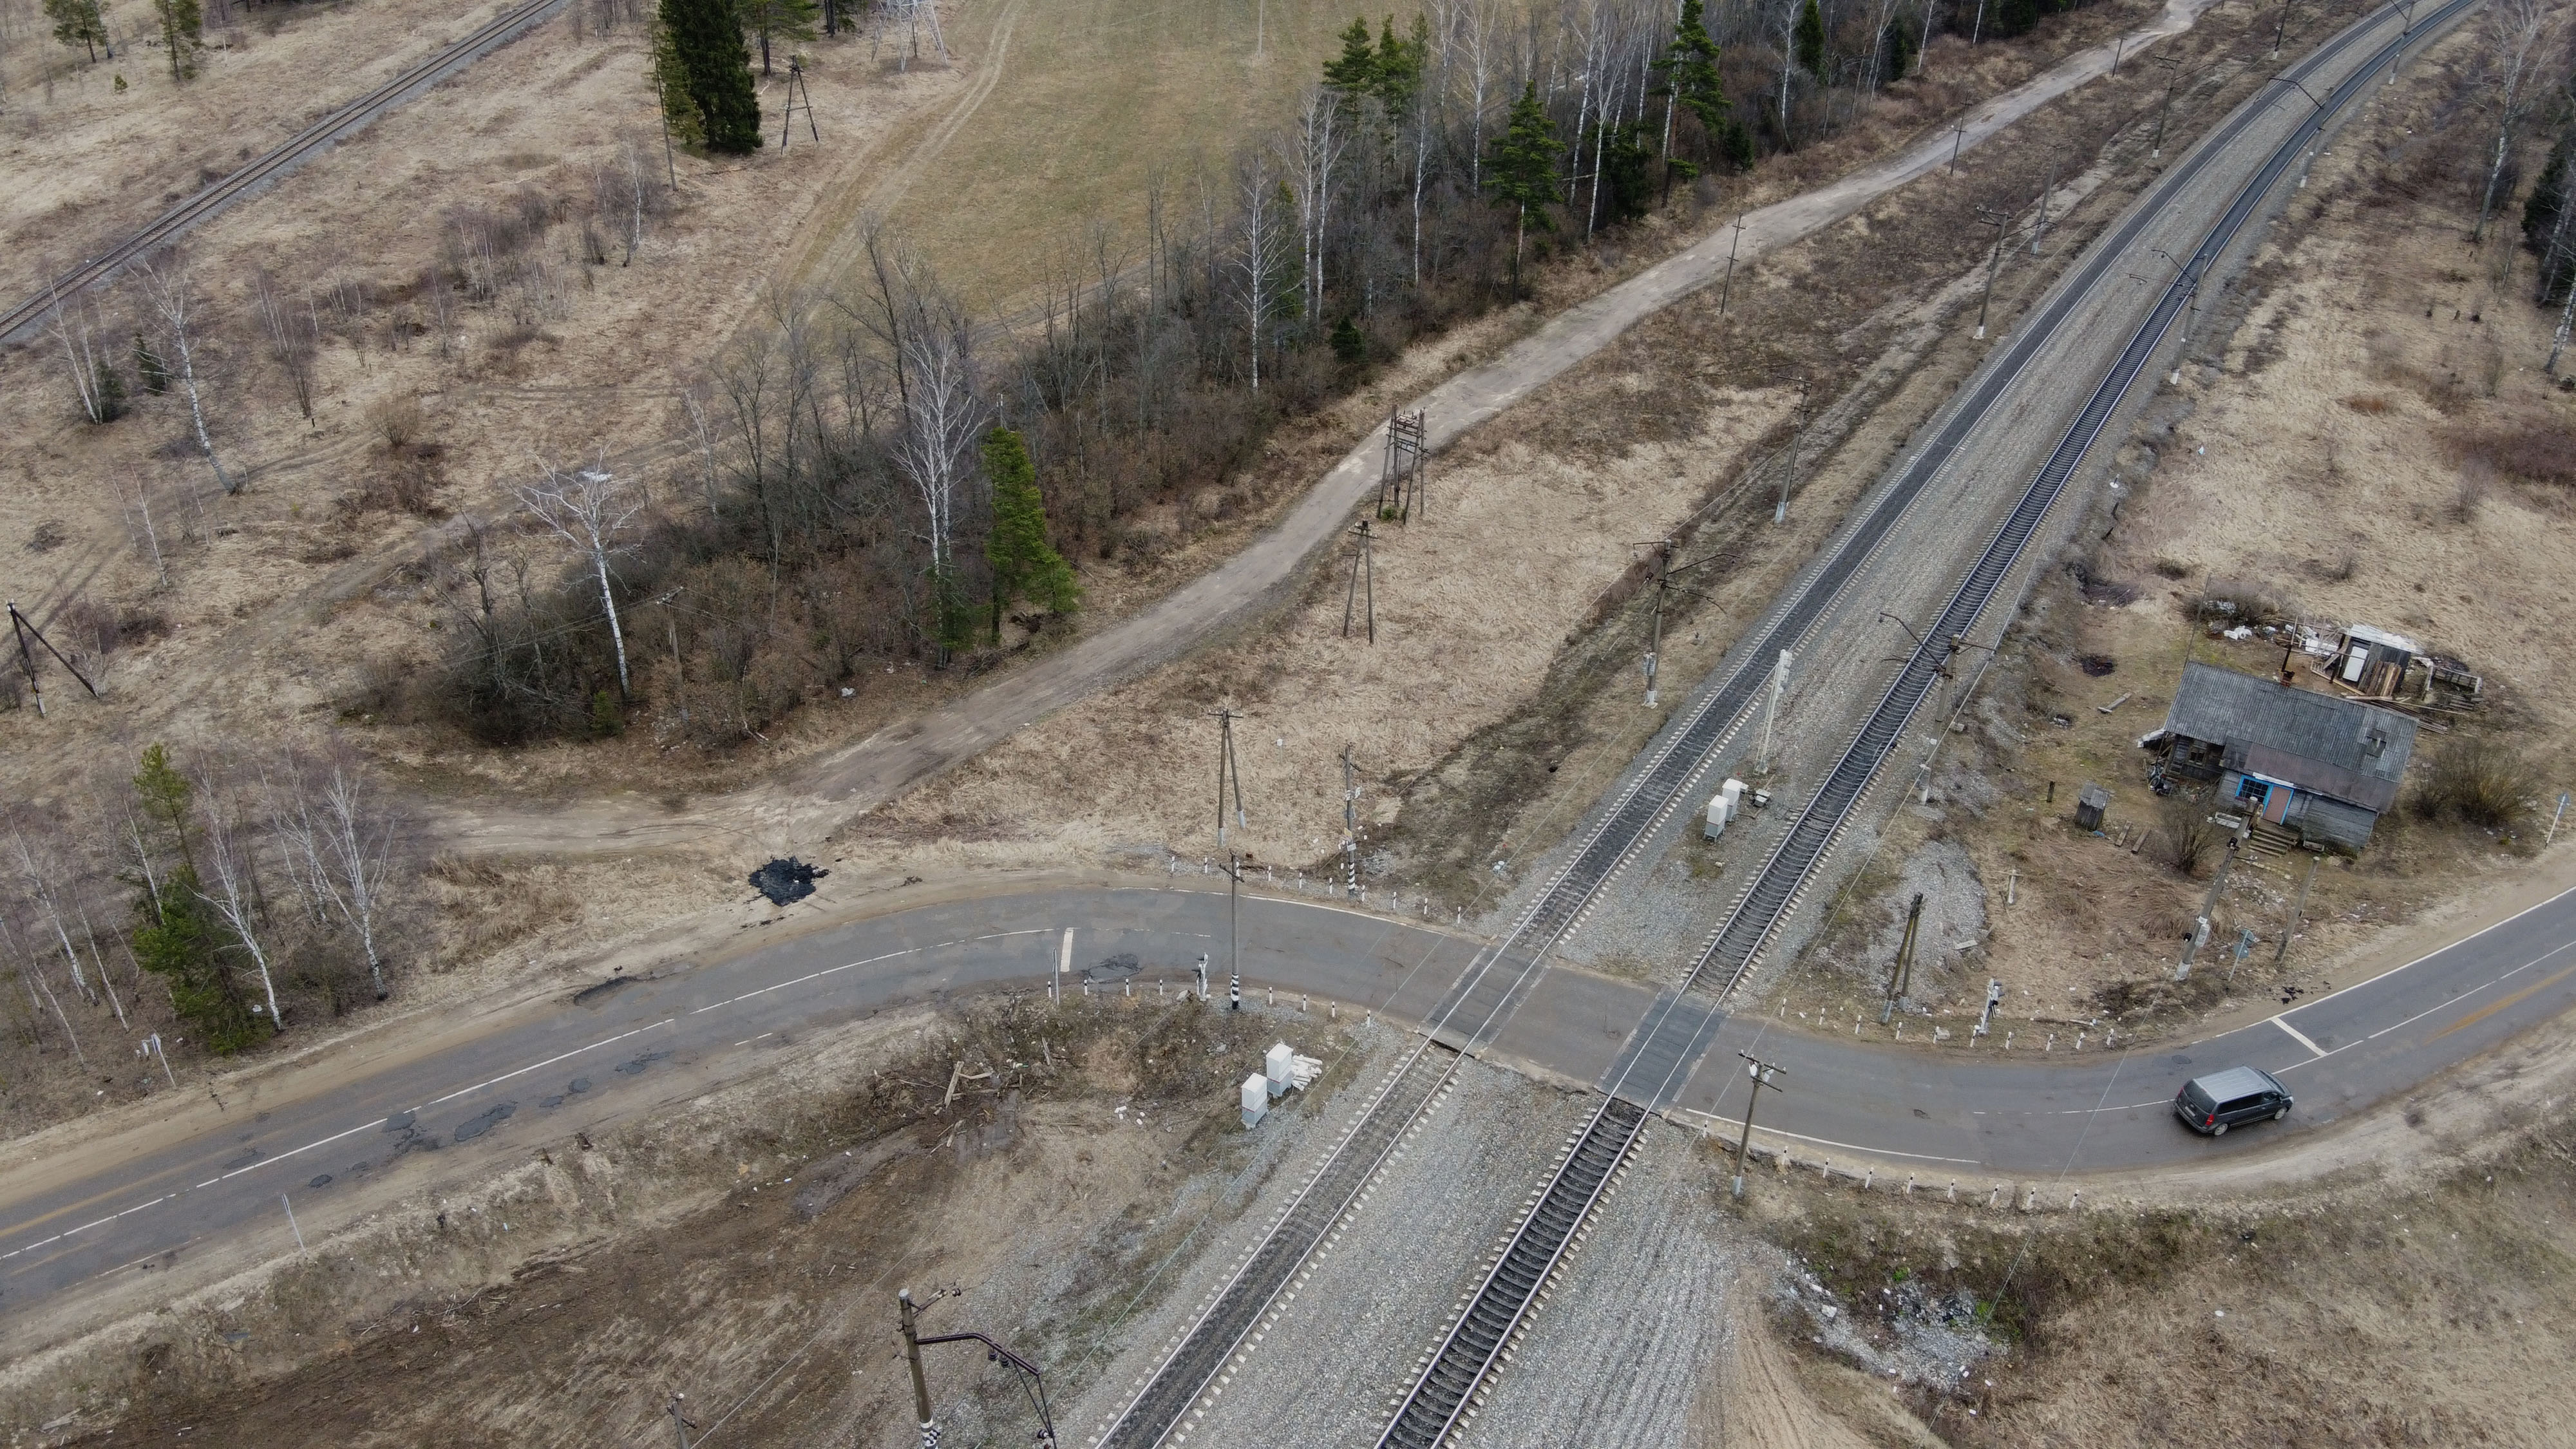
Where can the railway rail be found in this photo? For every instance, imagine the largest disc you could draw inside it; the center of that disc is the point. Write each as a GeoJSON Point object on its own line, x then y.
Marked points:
{"type": "Point", "coordinates": [22, 320]}
{"type": "Point", "coordinates": [1447, 1386]}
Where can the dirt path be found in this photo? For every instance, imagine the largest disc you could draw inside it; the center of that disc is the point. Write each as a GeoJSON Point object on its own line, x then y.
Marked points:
{"type": "Point", "coordinates": [819, 796]}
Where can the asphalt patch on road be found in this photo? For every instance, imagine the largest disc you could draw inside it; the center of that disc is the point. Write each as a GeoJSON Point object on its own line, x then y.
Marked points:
{"type": "Point", "coordinates": [1116, 968]}
{"type": "Point", "coordinates": [628, 1069]}
{"type": "Point", "coordinates": [786, 880]}
{"type": "Point", "coordinates": [489, 1118]}
{"type": "Point", "coordinates": [323, 1180]}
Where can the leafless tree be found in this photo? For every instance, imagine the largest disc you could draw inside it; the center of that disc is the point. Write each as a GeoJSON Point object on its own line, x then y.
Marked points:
{"type": "Point", "coordinates": [34, 974]}
{"type": "Point", "coordinates": [590, 507]}
{"type": "Point", "coordinates": [1321, 139]}
{"type": "Point", "coordinates": [344, 829]}
{"type": "Point", "coordinates": [43, 891]}
{"type": "Point", "coordinates": [942, 421]}
{"type": "Point", "coordinates": [73, 325]}
{"type": "Point", "coordinates": [291, 335]}
{"type": "Point", "coordinates": [226, 835]}
{"type": "Point", "coordinates": [171, 293]}
{"type": "Point", "coordinates": [2515, 30]}
{"type": "Point", "coordinates": [1262, 247]}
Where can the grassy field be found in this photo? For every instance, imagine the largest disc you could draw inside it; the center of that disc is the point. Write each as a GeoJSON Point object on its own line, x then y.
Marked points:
{"type": "Point", "coordinates": [1069, 110]}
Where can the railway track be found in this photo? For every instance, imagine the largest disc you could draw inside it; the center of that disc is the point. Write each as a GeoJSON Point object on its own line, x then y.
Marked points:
{"type": "Point", "coordinates": [22, 320]}
{"type": "Point", "coordinates": [1448, 1381]}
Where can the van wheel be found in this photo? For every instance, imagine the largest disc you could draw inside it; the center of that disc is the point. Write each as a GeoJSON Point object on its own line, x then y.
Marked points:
{"type": "Point", "coordinates": [2284, 1112]}
{"type": "Point", "coordinates": [2218, 1131]}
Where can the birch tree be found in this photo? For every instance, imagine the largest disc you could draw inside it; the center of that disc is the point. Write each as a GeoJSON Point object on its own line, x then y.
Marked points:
{"type": "Point", "coordinates": [171, 293]}
{"type": "Point", "coordinates": [590, 507]}
{"type": "Point", "coordinates": [345, 830]}
{"type": "Point", "coordinates": [2515, 29]}
{"type": "Point", "coordinates": [1262, 246]}
{"type": "Point", "coordinates": [943, 417]}
{"type": "Point", "coordinates": [1321, 139]}
{"type": "Point", "coordinates": [230, 871]}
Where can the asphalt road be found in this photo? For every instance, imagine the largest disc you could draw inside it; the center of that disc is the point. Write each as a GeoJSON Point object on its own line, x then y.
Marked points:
{"type": "Point", "coordinates": [508, 1088]}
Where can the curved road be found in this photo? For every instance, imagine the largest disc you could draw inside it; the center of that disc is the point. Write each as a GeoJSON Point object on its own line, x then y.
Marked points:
{"type": "Point", "coordinates": [507, 1086]}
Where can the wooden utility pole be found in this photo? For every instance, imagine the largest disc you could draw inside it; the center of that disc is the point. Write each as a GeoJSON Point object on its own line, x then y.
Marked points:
{"type": "Point", "coordinates": [680, 1423]}
{"type": "Point", "coordinates": [1797, 445]}
{"type": "Point", "coordinates": [1663, 548]}
{"type": "Point", "coordinates": [2298, 908]}
{"type": "Point", "coordinates": [1760, 1073]}
{"type": "Point", "coordinates": [787, 119]}
{"type": "Point", "coordinates": [2040, 228]}
{"type": "Point", "coordinates": [2173, 78]}
{"type": "Point", "coordinates": [1900, 976]}
{"type": "Point", "coordinates": [1227, 770]}
{"type": "Point", "coordinates": [1399, 486]}
{"type": "Point", "coordinates": [1350, 828]}
{"type": "Point", "coordinates": [1726, 289]}
{"type": "Point", "coordinates": [1999, 222]}
{"type": "Point", "coordinates": [1363, 564]}
{"type": "Point", "coordinates": [21, 626]}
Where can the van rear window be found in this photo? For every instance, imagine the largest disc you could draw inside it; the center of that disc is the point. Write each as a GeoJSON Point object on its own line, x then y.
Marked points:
{"type": "Point", "coordinates": [2198, 1098]}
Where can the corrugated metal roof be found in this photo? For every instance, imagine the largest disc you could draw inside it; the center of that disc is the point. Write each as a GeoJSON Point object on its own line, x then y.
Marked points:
{"type": "Point", "coordinates": [2291, 725]}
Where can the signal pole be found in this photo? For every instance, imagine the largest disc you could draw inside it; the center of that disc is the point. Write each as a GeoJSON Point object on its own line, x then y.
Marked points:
{"type": "Point", "coordinates": [1350, 829]}
{"type": "Point", "coordinates": [912, 1355]}
{"type": "Point", "coordinates": [1998, 221]}
{"type": "Point", "coordinates": [1761, 1073]}
{"type": "Point", "coordinates": [1797, 445]}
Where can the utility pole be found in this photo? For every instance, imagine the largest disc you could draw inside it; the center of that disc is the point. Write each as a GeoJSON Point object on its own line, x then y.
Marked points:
{"type": "Point", "coordinates": [912, 1355]}
{"type": "Point", "coordinates": [1726, 289]}
{"type": "Point", "coordinates": [1233, 937]}
{"type": "Point", "coordinates": [2282, 30]}
{"type": "Point", "coordinates": [2298, 908]}
{"type": "Point", "coordinates": [681, 1425]}
{"type": "Point", "coordinates": [1363, 561]}
{"type": "Point", "coordinates": [2200, 928]}
{"type": "Point", "coordinates": [1900, 977]}
{"type": "Point", "coordinates": [1959, 132]}
{"type": "Point", "coordinates": [1226, 769]}
{"type": "Point", "coordinates": [2173, 78]}
{"type": "Point", "coordinates": [2046, 193]}
{"type": "Point", "coordinates": [795, 87]}
{"type": "Point", "coordinates": [1760, 1073]}
{"type": "Point", "coordinates": [670, 167]}
{"type": "Point", "coordinates": [21, 626]}
{"type": "Point", "coordinates": [1771, 715]}
{"type": "Point", "coordinates": [1999, 221]}
{"type": "Point", "coordinates": [1797, 445]}
{"type": "Point", "coordinates": [1350, 829]}
{"type": "Point", "coordinates": [1663, 548]}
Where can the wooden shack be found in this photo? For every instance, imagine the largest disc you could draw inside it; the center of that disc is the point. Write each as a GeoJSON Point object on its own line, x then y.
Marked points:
{"type": "Point", "coordinates": [2313, 765]}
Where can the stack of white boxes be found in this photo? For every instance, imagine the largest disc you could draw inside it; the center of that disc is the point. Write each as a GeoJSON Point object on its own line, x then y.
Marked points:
{"type": "Point", "coordinates": [1724, 806]}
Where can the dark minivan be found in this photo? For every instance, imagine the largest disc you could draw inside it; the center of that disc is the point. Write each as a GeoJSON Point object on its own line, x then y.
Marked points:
{"type": "Point", "coordinates": [2212, 1104]}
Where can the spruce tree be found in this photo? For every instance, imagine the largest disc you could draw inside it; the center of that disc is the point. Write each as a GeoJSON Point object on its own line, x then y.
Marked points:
{"type": "Point", "coordinates": [715, 67]}
{"type": "Point", "coordinates": [182, 31]}
{"type": "Point", "coordinates": [1025, 565]}
{"type": "Point", "coordinates": [1810, 41]}
{"type": "Point", "coordinates": [671, 83]}
{"type": "Point", "coordinates": [1354, 71]}
{"type": "Point", "coordinates": [177, 935]}
{"type": "Point", "coordinates": [1896, 49]}
{"type": "Point", "coordinates": [1521, 171]}
{"type": "Point", "coordinates": [77, 22]}
{"type": "Point", "coordinates": [769, 20]}
{"type": "Point", "coordinates": [1691, 83]}
{"type": "Point", "coordinates": [1399, 66]}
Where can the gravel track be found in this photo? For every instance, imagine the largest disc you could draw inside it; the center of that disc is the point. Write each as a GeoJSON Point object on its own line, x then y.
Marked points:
{"type": "Point", "coordinates": [1625, 1351]}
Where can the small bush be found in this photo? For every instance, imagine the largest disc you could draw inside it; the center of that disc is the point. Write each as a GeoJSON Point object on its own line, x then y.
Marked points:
{"type": "Point", "coordinates": [2244, 602]}
{"type": "Point", "coordinates": [397, 421]}
{"type": "Point", "coordinates": [2479, 782]}
{"type": "Point", "coordinates": [2184, 836]}
{"type": "Point", "coordinates": [2173, 568]}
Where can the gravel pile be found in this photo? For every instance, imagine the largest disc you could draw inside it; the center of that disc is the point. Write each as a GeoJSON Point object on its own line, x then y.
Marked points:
{"type": "Point", "coordinates": [1375, 1301]}
{"type": "Point", "coordinates": [1625, 1350]}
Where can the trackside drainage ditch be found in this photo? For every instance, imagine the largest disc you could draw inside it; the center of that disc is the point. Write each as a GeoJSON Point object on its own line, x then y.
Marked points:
{"type": "Point", "coordinates": [786, 880]}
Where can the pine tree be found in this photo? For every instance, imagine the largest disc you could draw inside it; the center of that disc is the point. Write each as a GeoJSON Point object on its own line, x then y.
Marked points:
{"type": "Point", "coordinates": [109, 388]}
{"type": "Point", "coordinates": [1627, 172]}
{"type": "Point", "coordinates": [1896, 49]}
{"type": "Point", "coordinates": [779, 20]}
{"type": "Point", "coordinates": [182, 31]}
{"type": "Point", "coordinates": [716, 70]}
{"type": "Point", "coordinates": [1025, 565]}
{"type": "Point", "coordinates": [1810, 40]}
{"type": "Point", "coordinates": [1350, 345]}
{"type": "Point", "coordinates": [1354, 71]}
{"type": "Point", "coordinates": [1521, 172]}
{"type": "Point", "coordinates": [1399, 66]}
{"type": "Point", "coordinates": [177, 935]}
{"type": "Point", "coordinates": [1691, 83]}
{"type": "Point", "coordinates": [77, 22]}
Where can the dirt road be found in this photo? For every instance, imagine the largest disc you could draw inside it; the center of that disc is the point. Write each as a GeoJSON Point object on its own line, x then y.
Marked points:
{"type": "Point", "coordinates": [819, 796]}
